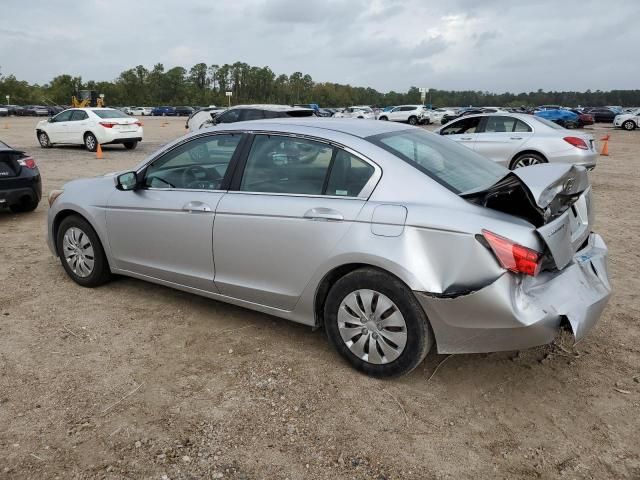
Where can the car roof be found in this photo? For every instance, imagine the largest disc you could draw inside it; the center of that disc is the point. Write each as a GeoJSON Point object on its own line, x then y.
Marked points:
{"type": "Point", "coordinates": [357, 127]}
{"type": "Point", "coordinates": [277, 108]}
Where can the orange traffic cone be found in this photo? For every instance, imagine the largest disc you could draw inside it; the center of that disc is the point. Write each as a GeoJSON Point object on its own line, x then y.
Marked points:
{"type": "Point", "coordinates": [605, 147]}
{"type": "Point", "coordinates": [99, 152]}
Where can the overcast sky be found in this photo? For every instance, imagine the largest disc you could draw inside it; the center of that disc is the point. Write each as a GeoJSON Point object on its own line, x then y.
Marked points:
{"type": "Point", "coordinates": [495, 45]}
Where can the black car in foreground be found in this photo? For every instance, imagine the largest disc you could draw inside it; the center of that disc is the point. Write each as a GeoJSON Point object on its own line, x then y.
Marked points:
{"type": "Point", "coordinates": [20, 181]}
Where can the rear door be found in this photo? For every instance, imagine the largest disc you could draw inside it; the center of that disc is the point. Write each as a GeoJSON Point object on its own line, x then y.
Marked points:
{"type": "Point", "coordinates": [290, 204]}
{"type": "Point", "coordinates": [77, 125]}
{"type": "Point", "coordinates": [500, 137]}
{"type": "Point", "coordinates": [463, 131]}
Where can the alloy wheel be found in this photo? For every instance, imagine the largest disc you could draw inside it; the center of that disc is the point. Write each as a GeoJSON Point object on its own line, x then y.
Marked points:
{"type": "Point", "coordinates": [78, 252]}
{"type": "Point", "coordinates": [372, 326]}
{"type": "Point", "coordinates": [90, 142]}
{"type": "Point", "coordinates": [526, 161]}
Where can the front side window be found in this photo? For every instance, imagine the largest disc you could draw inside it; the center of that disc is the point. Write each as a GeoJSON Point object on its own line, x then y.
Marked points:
{"type": "Point", "coordinates": [199, 164]}
{"type": "Point", "coordinates": [456, 167]}
{"type": "Point", "coordinates": [252, 114]}
{"type": "Point", "coordinates": [465, 125]}
{"type": "Point", "coordinates": [63, 116]}
{"type": "Point", "coordinates": [288, 165]}
{"type": "Point", "coordinates": [79, 115]}
{"type": "Point", "coordinates": [229, 116]}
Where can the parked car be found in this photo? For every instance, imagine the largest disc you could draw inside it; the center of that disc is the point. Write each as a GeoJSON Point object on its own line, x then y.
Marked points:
{"type": "Point", "coordinates": [361, 111]}
{"type": "Point", "coordinates": [36, 111]}
{"type": "Point", "coordinates": [584, 119]}
{"type": "Point", "coordinates": [15, 110]}
{"type": "Point", "coordinates": [448, 117]}
{"type": "Point", "coordinates": [90, 127]}
{"type": "Point", "coordinates": [55, 109]}
{"type": "Point", "coordinates": [241, 113]}
{"type": "Point", "coordinates": [435, 115]}
{"type": "Point", "coordinates": [411, 114]}
{"type": "Point", "coordinates": [140, 111]}
{"type": "Point", "coordinates": [205, 115]}
{"type": "Point", "coordinates": [331, 226]}
{"type": "Point", "coordinates": [4, 112]}
{"type": "Point", "coordinates": [324, 112]}
{"type": "Point", "coordinates": [183, 111]}
{"type": "Point", "coordinates": [163, 112]}
{"type": "Point", "coordinates": [564, 118]}
{"type": "Point", "coordinates": [602, 114]}
{"type": "Point", "coordinates": [20, 181]}
{"type": "Point", "coordinates": [520, 140]}
{"type": "Point", "coordinates": [628, 121]}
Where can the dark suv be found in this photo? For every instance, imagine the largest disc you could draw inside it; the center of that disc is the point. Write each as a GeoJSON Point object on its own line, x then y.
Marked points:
{"type": "Point", "coordinates": [20, 182]}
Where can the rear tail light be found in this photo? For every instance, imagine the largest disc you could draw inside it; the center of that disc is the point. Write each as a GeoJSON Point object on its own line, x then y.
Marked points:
{"type": "Point", "coordinates": [577, 142]}
{"type": "Point", "coordinates": [512, 256]}
{"type": "Point", "coordinates": [138, 123]}
{"type": "Point", "coordinates": [108, 124]}
{"type": "Point", "coordinates": [27, 162]}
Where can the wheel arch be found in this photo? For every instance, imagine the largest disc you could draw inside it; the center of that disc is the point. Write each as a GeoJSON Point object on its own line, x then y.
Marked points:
{"type": "Point", "coordinates": [530, 151]}
{"type": "Point", "coordinates": [67, 212]}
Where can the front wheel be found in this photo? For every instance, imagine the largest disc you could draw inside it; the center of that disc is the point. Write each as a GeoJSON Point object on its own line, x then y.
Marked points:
{"type": "Point", "coordinates": [90, 142]}
{"type": "Point", "coordinates": [629, 125]}
{"type": "Point", "coordinates": [81, 252]}
{"type": "Point", "coordinates": [130, 145]}
{"type": "Point", "coordinates": [375, 322]}
{"type": "Point", "coordinates": [383, 118]}
{"type": "Point", "coordinates": [413, 121]}
{"type": "Point", "coordinates": [526, 160]}
{"type": "Point", "coordinates": [43, 138]}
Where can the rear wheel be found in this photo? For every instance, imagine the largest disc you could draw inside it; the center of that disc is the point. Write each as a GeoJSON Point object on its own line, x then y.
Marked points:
{"type": "Point", "coordinates": [43, 138]}
{"type": "Point", "coordinates": [526, 160]}
{"type": "Point", "coordinates": [375, 322]}
{"type": "Point", "coordinates": [81, 252]}
{"type": "Point", "coordinates": [383, 118]}
{"type": "Point", "coordinates": [90, 142]}
{"type": "Point", "coordinates": [629, 125]}
{"type": "Point", "coordinates": [413, 121]}
{"type": "Point", "coordinates": [130, 145]}
{"type": "Point", "coordinates": [27, 204]}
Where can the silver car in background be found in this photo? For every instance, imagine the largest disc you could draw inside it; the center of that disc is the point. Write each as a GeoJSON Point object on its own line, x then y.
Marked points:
{"type": "Point", "coordinates": [395, 239]}
{"type": "Point", "coordinates": [518, 140]}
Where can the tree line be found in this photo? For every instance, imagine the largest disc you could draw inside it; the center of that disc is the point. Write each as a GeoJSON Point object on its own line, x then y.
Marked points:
{"type": "Point", "coordinates": [206, 84]}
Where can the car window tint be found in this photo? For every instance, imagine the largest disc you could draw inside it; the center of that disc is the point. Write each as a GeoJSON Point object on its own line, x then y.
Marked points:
{"type": "Point", "coordinates": [199, 164]}
{"type": "Point", "coordinates": [454, 166]}
{"type": "Point", "coordinates": [79, 115]}
{"type": "Point", "coordinates": [272, 114]}
{"type": "Point", "coordinates": [466, 125]}
{"type": "Point", "coordinates": [286, 165]}
{"type": "Point", "coordinates": [499, 124]}
{"type": "Point", "coordinates": [63, 116]}
{"type": "Point", "coordinates": [252, 114]}
{"type": "Point", "coordinates": [230, 116]}
{"type": "Point", "coordinates": [520, 126]}
{"type": "Point", "coordinates": [348, 176]}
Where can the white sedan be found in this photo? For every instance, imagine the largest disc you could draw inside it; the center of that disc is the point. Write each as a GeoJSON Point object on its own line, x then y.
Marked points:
{"type": "Point", "coordinates": [90, 127]}
{"type": "Point", "coordinates": [360, 111]}
{"type": "Point", "coordinates": [140, 111]}
{"type": "Point", "coordinates": [628, 121]}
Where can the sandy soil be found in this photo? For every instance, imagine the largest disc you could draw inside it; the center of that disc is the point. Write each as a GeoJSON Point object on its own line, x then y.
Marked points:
{"type": "Point", "coordinates": [133, 380]}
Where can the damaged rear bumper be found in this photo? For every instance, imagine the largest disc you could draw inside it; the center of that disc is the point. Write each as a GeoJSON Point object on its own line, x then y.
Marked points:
{"type": "Point", "coordinates": [516, 312]}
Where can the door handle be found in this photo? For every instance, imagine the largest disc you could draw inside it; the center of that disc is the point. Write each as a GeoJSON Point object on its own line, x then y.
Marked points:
{"type": "Point", "coordinates": [196, 207]}
{"type": "Point", "coordinates": [321, 213]}
{"type": "Point", "coordinates": [516, 138]}
{"type": "Point", "coordinates": [466, 138]}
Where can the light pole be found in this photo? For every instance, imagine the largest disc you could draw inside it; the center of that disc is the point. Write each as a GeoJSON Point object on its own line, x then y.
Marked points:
{"type": "Point", "coordinates": [229, 94]}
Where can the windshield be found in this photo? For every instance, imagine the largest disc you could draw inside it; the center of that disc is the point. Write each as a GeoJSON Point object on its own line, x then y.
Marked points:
{"type": "Point", "coordinates": [110, 113]}
{"type": "Point", "coordinates": [456, 167]}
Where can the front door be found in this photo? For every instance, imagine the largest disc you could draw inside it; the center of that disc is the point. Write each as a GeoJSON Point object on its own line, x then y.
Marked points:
{"type": "Point", "coordinates": [464, 130]}
{"type": "Point", "coordinates": [501, 137]}
{"type": "Point", "coordinates": [164, 228]}
{"type": "Point", "coordinates": [77, 126]}
{"type": "Point", "coordinates": [287, 210]}
{"type": "Point", "coordinates": [58, 129]}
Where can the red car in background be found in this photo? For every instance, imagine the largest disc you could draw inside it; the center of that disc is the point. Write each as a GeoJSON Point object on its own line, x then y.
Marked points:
{"type": "Point", "coordinates": [584, 118]}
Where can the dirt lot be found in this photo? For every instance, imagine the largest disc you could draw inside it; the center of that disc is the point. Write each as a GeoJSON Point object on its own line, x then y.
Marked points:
{"type": "Point", "coordinates": [133, 380]}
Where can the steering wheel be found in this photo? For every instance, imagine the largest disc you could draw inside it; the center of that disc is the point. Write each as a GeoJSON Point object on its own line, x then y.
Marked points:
{"type": "Point", "coordinates": [191, 173]}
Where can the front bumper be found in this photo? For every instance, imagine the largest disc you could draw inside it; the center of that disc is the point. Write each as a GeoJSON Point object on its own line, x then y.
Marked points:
{"type": "Point", "coordinates": [516, 312]}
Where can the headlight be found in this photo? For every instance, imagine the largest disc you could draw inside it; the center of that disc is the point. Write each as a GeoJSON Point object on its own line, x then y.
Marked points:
{"type": "Point", "coordinates": [53, 195]}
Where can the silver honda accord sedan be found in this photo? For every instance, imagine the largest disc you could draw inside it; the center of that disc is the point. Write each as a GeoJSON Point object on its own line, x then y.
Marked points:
{"type": "Point", "coordinates": [394, 239]}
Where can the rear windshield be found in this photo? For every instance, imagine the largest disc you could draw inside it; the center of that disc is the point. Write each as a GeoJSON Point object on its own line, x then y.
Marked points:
{"type": "Point", "coordinates": [453, 166]}
{"type": "Point", "coordinates": [110, 113]}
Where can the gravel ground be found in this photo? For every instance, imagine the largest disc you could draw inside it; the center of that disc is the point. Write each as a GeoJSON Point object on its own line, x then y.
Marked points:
{"type": "Point", "coordinates": [134, 380]}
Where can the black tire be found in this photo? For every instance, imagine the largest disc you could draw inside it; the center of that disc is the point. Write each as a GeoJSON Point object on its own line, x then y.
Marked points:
{"type": "Point", "coordinates": [44, 140]}
{"type": "Point", "coordinates": [90, 142]}
{"type": "Point", "coordinates": [629, 125]}
{"type": "Point", "coordinates": [413, 120]}
{"type": "Point", "coordinates": [419, 337]}
{"type": "Point", "coordinates": [101, 272]}
{"type": "Point", "coordinates": [130, 145]}
{"type": "Point", "coordinates": [383, 118]}
{"type": "Point", "coordinates": [27, 204]}
{"type": "Point", "coordinates": [536, 160]}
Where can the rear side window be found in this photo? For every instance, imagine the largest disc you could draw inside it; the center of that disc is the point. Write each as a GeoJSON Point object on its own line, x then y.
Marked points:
{"type": "Point", "coordinates": [456, 167]}
{"type": "Point", "coordinates": [252, 114]}
{"type": "Point", "coordinates": [288, 165]}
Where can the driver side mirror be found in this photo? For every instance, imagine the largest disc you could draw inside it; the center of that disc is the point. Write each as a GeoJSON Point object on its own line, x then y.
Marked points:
{"type": "Point", "coordinates": [127, 181]}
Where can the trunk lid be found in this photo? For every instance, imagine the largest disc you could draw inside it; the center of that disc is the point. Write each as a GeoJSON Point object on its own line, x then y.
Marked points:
{"type": "Point", "coordinates": [556, 199]}
{"type": "Point", "coordinates": [9, 166]}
